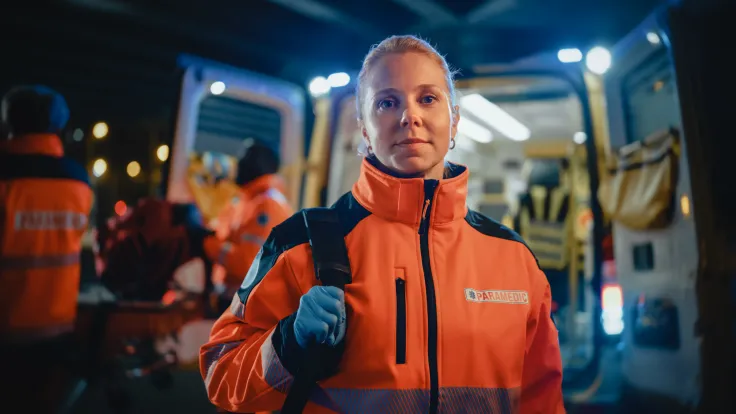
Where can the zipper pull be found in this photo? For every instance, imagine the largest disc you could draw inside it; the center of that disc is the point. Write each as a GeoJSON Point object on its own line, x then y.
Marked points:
{"type": "Point", "coordinates": [429, 187]}
{"type": "Point", "coordinates": [424, 210]}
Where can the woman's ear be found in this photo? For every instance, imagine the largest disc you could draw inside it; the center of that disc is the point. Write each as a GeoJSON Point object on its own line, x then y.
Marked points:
{"type": "Point", "coordinates": [455, 120]}
{"type": "Point", "coordinates": [364, 132]}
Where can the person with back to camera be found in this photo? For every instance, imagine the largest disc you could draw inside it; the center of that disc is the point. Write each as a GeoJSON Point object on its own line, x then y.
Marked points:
{"type": "Point", "coordinates": [45, 202]}
{"type": "Point", "coordinates": [447, 312]}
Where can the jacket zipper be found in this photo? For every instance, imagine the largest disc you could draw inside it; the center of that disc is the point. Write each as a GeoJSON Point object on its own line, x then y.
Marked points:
{"type": "Point", "coordinates": [429, 188]}
{"type": "Point", "coordinates": [400, 321]}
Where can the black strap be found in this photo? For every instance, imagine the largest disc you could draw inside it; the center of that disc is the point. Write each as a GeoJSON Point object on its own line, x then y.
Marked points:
{"type": "Point", "coordinates": [332, 268]}
{"type": "Point", "coordinates": [329, 253]}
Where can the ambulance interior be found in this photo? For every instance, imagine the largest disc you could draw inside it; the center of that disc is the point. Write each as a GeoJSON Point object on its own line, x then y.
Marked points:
{"type": "Point", "coordinates": [221, 108]}
{"type": "Point", "coordinates": [523, 140]}
{"type": "Point", "coordinates": [223, 126]}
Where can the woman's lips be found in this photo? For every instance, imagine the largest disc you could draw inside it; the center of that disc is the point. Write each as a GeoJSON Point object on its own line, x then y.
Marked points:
{"type": "Point", "coordinates": [412, 142]}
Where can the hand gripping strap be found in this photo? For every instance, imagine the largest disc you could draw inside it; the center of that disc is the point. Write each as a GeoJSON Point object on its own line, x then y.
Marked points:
{"type": "Point", "coordinates": [332, 268]}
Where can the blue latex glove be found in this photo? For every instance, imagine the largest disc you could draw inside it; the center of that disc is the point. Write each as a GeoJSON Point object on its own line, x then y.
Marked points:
{"type": "Point", "coordinates": [320, 318]}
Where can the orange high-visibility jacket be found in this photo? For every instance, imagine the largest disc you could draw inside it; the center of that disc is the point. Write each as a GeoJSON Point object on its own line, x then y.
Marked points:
{"type": "Point", "coordinates": [243, 228]}
{"type": "Point", "coordinates": [448, 311]}
{"type": "Point", "coordinates": [45, 200]}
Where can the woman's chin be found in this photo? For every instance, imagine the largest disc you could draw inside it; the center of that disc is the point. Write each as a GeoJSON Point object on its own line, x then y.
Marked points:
{"type": "Point", "coordinates": [412, 165]}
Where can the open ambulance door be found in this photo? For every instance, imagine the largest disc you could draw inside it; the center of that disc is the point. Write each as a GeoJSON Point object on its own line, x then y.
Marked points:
{"type": "Point", "coordinates": [668, 97]}
{"type": "Point", "coordinates": [220, 107]}
{"type": "Point", "coordinates": [552, 102]}
{"type": "Point", "coordinates": [646, 194]}
{"type": "Point", "coordinates": [707, 86]}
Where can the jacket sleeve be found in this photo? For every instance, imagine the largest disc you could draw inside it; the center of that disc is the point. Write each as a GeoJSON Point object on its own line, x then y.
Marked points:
{"type": "Point", "coordinates": [541, 388]}
{"type": "Point", "coordinates": [238, 252]}
{"type": "Point", "coordinates": [248, 362]}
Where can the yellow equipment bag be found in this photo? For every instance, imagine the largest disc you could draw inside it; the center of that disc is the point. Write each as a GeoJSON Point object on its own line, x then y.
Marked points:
{"type": "Point", "coordinates": [639, 190]}
{"type": "Point", "coordinates": [547, 232]}
{"type": "Point", "coordinates": [211, 180]}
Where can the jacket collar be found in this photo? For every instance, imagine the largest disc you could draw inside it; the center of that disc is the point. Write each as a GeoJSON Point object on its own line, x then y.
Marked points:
{"type": "Point", "coordinates": [38, 144]}
{"type": "Point", "coordinates": [263, 184]}
{"type": "Point", "coordinates": [403, 199]}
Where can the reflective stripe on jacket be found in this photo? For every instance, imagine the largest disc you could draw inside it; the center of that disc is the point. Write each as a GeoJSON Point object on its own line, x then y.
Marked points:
{"type": "Point", "coordinates": [45, 199]}
{"type": "Point", "coordinates": [448, 312]}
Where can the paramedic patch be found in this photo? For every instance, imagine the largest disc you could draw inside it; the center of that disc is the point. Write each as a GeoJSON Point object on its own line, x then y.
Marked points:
{"type": "Point", "coordinates": [516, 297]}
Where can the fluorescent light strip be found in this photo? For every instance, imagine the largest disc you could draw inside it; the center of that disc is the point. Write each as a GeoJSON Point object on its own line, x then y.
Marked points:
{"type": "Point", "coordinates": [474, 131]}
{"type": "Point", "coordinates": [495, 117]}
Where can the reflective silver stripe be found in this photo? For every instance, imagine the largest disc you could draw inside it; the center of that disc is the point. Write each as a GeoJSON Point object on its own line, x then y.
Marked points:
{"type": "Point", "coordinates": [50, 220]}
{"type": "Point", "coordinates": [237, 307]}
{"type": "Point", "coordinates": [214, 354]}
{"type": "Point", "coordinates": [274, 373]}
{"type": "Point", "coordinates": [277, 196]}
{"type": "Point", "coordinates": [252, 238]}
{"type": "Point", "coordinates": [38, 262]}
{"type": "Point", "coordinates": [226, 248]}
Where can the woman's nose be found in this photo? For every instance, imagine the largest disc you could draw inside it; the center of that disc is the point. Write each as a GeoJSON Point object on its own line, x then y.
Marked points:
{"type": "Point", "coordinates": [411, 117]}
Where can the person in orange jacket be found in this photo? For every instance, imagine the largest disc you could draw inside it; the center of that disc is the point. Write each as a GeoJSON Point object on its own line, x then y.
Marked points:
{"type": "Point", "coordinates": [45, 201]}
{"type": "Point", "coordinates": [243, 228]}
{"type": "Point", "coordinates": [447, 311]}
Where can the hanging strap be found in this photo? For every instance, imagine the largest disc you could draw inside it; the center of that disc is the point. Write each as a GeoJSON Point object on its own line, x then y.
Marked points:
{"type": "Point", "coordinates": [332, 268]}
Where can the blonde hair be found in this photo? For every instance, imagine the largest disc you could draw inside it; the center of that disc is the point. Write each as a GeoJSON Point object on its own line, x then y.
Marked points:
{"type": "Point", "coordinates": [402, 44]}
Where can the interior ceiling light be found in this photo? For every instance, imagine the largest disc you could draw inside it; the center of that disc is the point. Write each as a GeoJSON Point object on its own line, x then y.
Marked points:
{"type": "Point", "coordinates": [598, 60]}
{"type": "Point", "coordinates": [319, 86]}
{"type": "Point", "coordinates": [570, 55]}
{"type": "Point", "coordinates": [474, 131]}
{"type": "Point", "coordinates": [496, 117]}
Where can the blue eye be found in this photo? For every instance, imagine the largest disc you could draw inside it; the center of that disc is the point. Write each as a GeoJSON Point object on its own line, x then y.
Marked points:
{"type": "Point", "coordinates": [428, 99]}
{"type": "Point", "coordinates": [386, 103]}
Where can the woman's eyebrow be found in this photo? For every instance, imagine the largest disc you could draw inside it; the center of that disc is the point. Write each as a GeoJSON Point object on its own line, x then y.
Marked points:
{"type": "Point", "coordinates": [427, 86]}
{"type": "Point", "coordinates": [390, 90]}
{"type": "Point", "coordinates": [386, 91]}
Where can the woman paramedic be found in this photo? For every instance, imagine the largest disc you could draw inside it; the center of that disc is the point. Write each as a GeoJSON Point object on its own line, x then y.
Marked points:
{"type": "Point", "coordinates": [447, 311]}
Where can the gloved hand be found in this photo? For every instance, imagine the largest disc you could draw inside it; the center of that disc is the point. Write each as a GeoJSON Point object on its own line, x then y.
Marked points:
{"type": "Point", "coordinates": [320, 318]}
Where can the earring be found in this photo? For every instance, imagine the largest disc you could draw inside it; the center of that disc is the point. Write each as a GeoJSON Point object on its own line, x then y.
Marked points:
{"type": "Point", "coordinates": [370, 150]}
{"type": "Point", "coordinates": [452, 143]}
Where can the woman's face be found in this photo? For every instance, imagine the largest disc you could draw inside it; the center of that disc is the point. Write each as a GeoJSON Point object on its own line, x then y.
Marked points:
{"type": "Point", "coordinates": [408, 119]}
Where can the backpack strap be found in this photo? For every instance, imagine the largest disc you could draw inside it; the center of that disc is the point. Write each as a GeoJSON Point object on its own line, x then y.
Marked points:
{"type": "Point", "coordinates": [332, 268]}
{"type": "Point", "coordinates": [329, 253]}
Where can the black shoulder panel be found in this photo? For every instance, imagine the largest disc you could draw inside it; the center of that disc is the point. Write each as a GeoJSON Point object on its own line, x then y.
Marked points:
{"type": "Point", "coordinates": [291, 233]}
{"type": "Point", "coordinates": [492, 228]}
{"type": "Point", "coordinates": [350, 212]}
{"type": "Point", "coordinates": [20, 166]}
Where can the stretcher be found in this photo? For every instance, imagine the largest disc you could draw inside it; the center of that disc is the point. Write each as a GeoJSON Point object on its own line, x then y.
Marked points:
{"type": "Point", "coordinates": [125, 340]}
{"type": "Point", "coordinates": [141, 319]}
